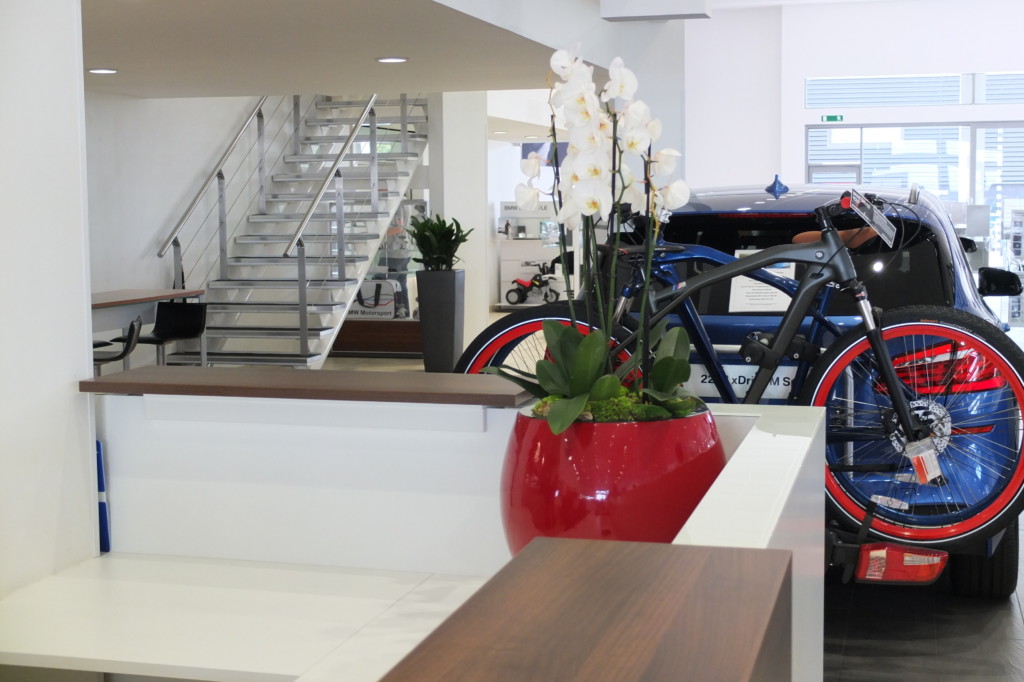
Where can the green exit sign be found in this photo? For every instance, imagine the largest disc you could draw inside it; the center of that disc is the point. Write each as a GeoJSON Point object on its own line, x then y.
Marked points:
{"type": "Point", "coordinates": [832, 118]}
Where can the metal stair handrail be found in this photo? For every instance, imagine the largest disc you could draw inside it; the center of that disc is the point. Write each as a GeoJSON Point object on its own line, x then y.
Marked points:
{"type": "Point", "coordinates": [210, 179]}
{"type": "Point", "coordinates": [330, 178]}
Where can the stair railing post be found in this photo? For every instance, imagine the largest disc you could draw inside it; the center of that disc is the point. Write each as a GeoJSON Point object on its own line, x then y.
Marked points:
{"type": "Point", "coordinates": [222, 224]}
{"type": "Point", "coordinates": [261, 169]}
{"type": "Point", "coordinates": [179, 271]}
{"type": "Point", "coordinates": [296, 124]}
{"type": "Point", "coordinates": [303, 303]}
{"type": "Point", "coordinates": [374, 167]}
{"type": "Point", "coordinates": [405, 123]}
{"type": "Point", "coordinates": [339, 218]}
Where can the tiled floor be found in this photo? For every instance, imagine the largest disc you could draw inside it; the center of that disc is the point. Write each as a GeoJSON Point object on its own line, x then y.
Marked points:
{"type": "Point", "coordinates": [914, 634]}
{"type": "Point", "coordinates": [909, 634]}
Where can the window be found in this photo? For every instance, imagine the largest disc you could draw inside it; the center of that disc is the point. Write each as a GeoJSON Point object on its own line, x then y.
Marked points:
{"type": "Point", "coordinates": [890, 91]}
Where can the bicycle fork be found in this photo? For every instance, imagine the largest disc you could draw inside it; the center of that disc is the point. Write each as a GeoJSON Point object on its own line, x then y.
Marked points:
{"type": "Point", "coordinates": [919, 449]}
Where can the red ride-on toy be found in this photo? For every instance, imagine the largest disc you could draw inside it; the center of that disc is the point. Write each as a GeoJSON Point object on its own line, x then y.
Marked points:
{"type": "Point", "coordinates": [540, 282]}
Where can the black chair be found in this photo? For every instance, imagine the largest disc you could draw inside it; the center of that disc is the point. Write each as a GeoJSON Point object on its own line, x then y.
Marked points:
{"type": "Point", "coordinates": [130, 340]}
{"type": "Point", "coordinates": [175, 321]}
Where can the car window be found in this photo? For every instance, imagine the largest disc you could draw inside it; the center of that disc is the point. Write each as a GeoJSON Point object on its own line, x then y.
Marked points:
{"type": "Point", "coordinates": [910, 274]}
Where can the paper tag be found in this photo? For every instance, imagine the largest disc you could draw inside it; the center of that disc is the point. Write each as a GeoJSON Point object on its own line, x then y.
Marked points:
{"type": "Point", "coordinates": [925, 460]}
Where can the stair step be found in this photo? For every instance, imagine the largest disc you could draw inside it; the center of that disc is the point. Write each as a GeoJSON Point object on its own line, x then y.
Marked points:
{"type": "Point", "coordinates": [273, 307]}
{"type": "Point", "coordinates": [350, 197]}
{"type": "Point", "coordinates": [382, 157]}
{"type": "Point", "coordinates": [391, 119]}
{"type": "Point", "coordinates": [308, 238]}
{"type": "Point", "coordinates": [329, 216]}
{"type": "Point", "coordinates": [266, 332]}
{"type": "Point", "coordinates": [387, 135]}
{"type": "Point", "coordinates": [278, 283]}
{"type": "Point", "coordinates": [337, 103]}
{"type": "Point", "coordinates": [361, 173]}
{"type": "Point", "coordinates": [248, 358]}
{"type": "Point", "coordinates": [243, 261]}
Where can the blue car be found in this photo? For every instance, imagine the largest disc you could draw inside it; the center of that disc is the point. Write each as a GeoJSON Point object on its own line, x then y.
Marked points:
{"type": "Point", "coordinates": [963, 378]}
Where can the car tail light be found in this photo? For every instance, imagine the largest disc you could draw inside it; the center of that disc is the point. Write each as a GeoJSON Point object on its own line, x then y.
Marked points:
{"type": "Point", "coordinates": [943, 369]}
{"type": "Point", "coordinates": [887, 562]}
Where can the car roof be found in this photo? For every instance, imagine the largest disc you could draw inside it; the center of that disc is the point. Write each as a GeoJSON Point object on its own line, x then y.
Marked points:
{"type": "Point", "coordinates": [798, 199]}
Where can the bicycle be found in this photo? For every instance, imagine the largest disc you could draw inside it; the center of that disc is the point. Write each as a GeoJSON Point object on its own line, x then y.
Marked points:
{"type": "Point", "coordinates": [936, 463]}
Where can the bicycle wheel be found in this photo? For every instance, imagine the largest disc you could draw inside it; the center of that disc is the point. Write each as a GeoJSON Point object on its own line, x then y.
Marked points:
{"type": "Point", "coordinates": [550, 295]}
{"type": "Point", "coordinates": [517, 339]}
{"type": "Point", "coordinates": [962, 377]}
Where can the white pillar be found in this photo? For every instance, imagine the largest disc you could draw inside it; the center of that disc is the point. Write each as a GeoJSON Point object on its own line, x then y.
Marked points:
{"type": "Point", "coordinates": [48, 487]}
{"type": "Point", "coordinates": [458, 189]}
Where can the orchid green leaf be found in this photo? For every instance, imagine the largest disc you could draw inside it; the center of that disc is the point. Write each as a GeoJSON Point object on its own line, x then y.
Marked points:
{"type": "Point", "coordinates": [606, 387]}
{"type": "Point", "coordinates": [564, 412]}
{"type": "Point", "coordinates": [590, 362]}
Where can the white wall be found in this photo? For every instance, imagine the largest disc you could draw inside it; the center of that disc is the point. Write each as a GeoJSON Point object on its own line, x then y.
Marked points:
{"type": "Point", "coordinates": [47, 479]}
{"type": "Point", "coordinates": [732, 98]}
{"type": "Point", "coordinates": [746, 68]}
{"type": "Point", "coordinates": [147, 158]}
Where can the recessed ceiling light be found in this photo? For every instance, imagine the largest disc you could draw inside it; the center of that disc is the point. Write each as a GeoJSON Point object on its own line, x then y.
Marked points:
{"type": "Point", "coordinates": [392, 60]}
{"type": "Point", "coordinates": [531, 137]}
{"type": "Point", "coordinates": [500, 132]}
{"type": "Point", "coordinates": [103, 71]}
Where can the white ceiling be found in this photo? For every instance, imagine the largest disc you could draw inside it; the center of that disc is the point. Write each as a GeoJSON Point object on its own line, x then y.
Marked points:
{"type": "Point", "coordinates": [204, 48]}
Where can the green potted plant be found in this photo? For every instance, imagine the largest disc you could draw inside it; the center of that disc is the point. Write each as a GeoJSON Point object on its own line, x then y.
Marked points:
{"type": "Point", "coordinates": [440, 289]}
{"type": "Point", "coordinates": [614, 448]}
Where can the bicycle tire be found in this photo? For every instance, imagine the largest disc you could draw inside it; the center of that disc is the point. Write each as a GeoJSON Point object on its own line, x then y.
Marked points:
{"type": "Point", "coordinates": [550, 295]}
{"type": "Point", "coordinates": [517, 339]}
{"type": "Point", "coordinates": [963, 376]}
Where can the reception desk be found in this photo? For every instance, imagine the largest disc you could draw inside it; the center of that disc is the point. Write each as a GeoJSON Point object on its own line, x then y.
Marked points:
{"type": "Point", "coordinates": [319, 531]}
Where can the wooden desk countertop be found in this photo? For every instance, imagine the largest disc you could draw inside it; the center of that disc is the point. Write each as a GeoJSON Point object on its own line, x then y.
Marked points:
{"type": "Point", "coordinates": [583, 610]}
{"type": "Point", "coordinates": [283, 382]}
{"type": "Point", "coordinates": [108, 299]}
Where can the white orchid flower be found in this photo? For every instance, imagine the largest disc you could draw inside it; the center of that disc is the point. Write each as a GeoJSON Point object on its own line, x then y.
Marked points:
{"type": "Point", "coordinates": [527, 197]}
{"type": "Point", "coordinates": [636, 141]}
{"type": "Point", "coordinates": [634, 195]}
{"type": "Point", "coordinates": [563, 62]}
{"type": "Point", "coordinates": [593, 197]}
{"type": "Point", "coordinates": [569, 214]}
{"type": "Point", "coordinates": [531, 165]}
{"type": "Point", "coordinates": [584, 108]}
{"type": "Point", "coordinates": [654, 129]}
{"type": "Point", "coordinates": [636, 114]}
{"type": "Point", "coordinates": [622, 82]}
{"type": "Point", "coordinates": [567, 173]}
{"type": "Point", "coordinates": [593, 164]}
{"type": "Point", "coordinates": [586, 136]}
{"type": "Point", "coordinates": [664, 162]}
{"type": "Point", "coordinates": [676, 194]}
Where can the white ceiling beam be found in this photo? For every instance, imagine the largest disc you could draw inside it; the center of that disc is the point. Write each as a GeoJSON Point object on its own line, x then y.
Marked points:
{"type": "Point", "coordinates": [654, 10]}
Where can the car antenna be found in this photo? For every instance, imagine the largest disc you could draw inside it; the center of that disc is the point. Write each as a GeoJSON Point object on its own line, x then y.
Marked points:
{"type": "Point", "coordinates": [777, 188]}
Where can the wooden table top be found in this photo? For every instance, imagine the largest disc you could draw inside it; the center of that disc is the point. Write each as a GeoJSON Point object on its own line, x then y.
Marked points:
{"type": "Point", "coordinates": [109, 299]}
{"type": "Point", "coordinates": [283, 382]}
{"type": "Point", "coordinates": [581, 610]}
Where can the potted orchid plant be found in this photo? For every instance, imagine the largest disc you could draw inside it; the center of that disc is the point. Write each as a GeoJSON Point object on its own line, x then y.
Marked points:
{"type": "Point", "coordinates": [614, 449]}
{"type": "Point", "coordinates": [610, 165]}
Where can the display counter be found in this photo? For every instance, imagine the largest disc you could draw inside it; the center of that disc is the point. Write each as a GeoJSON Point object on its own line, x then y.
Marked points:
{"type": "Point", "coordinates": [321, 532]}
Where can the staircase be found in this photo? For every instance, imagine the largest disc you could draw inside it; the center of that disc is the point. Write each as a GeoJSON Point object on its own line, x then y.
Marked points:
{"type": "Point", "coordinates": [278, 225]}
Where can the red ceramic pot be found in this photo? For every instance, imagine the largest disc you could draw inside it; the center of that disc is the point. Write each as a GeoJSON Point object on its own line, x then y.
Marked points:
{"type": "Point", "coordinates": [635, 481]}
